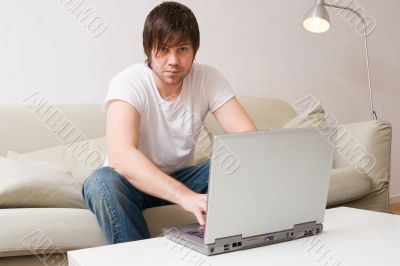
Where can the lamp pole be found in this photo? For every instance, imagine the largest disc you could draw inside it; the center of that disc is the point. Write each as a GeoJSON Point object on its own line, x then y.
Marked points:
{"type": "Point", "coordinates": [317, 21]}
{"type": "Point", "coordinates": [371, 101]}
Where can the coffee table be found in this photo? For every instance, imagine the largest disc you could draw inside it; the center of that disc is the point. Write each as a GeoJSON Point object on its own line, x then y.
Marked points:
{"type": "Point", "coordinates": [350, 237]}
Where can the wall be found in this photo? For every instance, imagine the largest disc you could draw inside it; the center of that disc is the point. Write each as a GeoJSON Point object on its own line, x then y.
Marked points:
{"type": "Point", "coordinates": [259, 45]}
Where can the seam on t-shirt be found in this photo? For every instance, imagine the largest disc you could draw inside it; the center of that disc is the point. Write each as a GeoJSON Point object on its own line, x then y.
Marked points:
{"type": "Point", "coordinates": [223, 102]}
{"type": "Point", "coordinates": [203, 91]}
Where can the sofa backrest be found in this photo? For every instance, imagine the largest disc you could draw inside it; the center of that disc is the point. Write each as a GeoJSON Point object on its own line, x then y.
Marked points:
{"type": "Point", "coordinates": [27, 128]}
{"type": "Point", "coordinates": [30, 128]}
{"type": "Point", "coordinates": [264, 111]}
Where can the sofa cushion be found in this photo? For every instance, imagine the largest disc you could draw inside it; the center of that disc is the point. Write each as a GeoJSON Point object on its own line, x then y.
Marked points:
{"type": "Point", "coordinates": [312, 117]}
{"type": "Point", "coordinates": [80, 159]}
{"type": "Point", "coordinates": [347, 184]}
{"type": "Point", "coordinates": [47, 230]}
{"type": "Point", "coordinates": [37, 184]}
{"type": "Point", "coordinates": [202, 150]}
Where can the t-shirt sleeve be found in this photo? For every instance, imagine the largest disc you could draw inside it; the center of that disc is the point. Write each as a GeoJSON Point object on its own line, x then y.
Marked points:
{"type": "Point", "coordinates": [128, 90]}
{"type": "Point", "coordinates": [217, 88]}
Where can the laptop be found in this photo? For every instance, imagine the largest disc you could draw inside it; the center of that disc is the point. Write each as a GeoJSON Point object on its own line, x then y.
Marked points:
{"type": "Point", "coordinates": [265, 187]}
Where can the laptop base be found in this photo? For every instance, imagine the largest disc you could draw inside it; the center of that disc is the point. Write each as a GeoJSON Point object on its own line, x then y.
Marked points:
{"type": "Point", "coordinates": [186, 236]}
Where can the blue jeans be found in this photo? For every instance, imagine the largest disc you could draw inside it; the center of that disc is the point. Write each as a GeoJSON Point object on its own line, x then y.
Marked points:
{"type": "Point", "coordinates": [118, 205]}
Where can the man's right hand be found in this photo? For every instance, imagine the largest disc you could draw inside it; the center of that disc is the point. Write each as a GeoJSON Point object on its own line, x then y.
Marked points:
{"type": "Point", "coordinates": [194, 203]}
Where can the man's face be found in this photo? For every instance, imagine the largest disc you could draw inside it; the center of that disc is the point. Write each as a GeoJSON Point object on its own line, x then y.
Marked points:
{"type": "Point", "coordinates": [171, 65]}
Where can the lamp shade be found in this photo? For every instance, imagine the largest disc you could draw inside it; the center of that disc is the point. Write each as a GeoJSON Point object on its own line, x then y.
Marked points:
{"type": "Point", "coordinates": [317, 19]}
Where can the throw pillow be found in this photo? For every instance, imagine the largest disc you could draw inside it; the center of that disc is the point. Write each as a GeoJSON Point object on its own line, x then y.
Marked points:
{"type": "Point", "coordinates": [37, 184]}
{"type": "Point", "coordinates": [80, 158]}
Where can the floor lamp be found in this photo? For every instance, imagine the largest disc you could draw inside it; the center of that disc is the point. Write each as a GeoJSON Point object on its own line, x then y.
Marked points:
{"type": "Point", "coordinates": [317, 21]}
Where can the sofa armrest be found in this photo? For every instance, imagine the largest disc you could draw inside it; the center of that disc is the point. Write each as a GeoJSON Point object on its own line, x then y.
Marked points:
{"type": "Point", "coordinates": [366, 146]}
{"type": "Point", "coordinates": [347, 185]}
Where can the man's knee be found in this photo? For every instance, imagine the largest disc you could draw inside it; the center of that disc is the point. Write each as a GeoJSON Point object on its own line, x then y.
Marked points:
{"type": "Point", "coordinates": [99, 180]}
{"type": "Point", "coordinates": [105, 183]}
{"type": "Point", "coordinates": [91, 182]}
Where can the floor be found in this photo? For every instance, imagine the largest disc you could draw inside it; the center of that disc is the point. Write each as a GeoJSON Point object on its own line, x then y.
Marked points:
{"type": "Point", "coordinates": [395, 208]}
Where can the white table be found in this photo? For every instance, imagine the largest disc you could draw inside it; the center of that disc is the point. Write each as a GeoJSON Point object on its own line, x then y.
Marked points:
{"type": "Point", "coordinates": [350, 237]}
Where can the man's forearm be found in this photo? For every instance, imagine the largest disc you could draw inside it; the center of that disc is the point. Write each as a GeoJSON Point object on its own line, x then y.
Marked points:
{"type": "Point", "coordinates": [147, 177]}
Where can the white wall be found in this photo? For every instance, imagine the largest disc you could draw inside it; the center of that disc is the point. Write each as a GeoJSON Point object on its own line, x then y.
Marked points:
{"type": "Point", "coordinates": [259, 45]}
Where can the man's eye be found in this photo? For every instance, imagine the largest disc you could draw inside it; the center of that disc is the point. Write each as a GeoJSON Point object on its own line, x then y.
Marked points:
{"type": "Point", "coordinates": [184, 49]}
{"type": "Point", "coordinates": [164, 49]}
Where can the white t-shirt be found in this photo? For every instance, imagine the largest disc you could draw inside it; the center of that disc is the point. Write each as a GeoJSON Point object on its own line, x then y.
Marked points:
{"type": "Point", "coordinates": [169, 129]}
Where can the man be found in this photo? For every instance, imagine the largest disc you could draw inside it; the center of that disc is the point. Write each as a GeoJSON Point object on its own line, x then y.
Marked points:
{"type": "Point", "coordinates": [154, 114]}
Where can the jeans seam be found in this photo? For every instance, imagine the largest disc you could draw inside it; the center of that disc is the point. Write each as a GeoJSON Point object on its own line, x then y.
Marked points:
{"type": "Point", "coordinates": [196, 184]}
{"type": "Point", "coordinates": [114, 221]}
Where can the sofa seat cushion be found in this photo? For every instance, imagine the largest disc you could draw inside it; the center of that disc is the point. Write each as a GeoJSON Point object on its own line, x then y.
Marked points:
{"type": "Point", "coordinates": [347, 184]}
{"type": "Point", "coordinates": [28, 231]}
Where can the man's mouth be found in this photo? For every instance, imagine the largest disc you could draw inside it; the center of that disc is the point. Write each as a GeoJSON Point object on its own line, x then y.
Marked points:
{"type": "Point", "coordinates": [172, 71]}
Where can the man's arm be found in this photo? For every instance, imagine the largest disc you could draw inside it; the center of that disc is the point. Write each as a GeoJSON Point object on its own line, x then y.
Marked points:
{"type": "Point", "coordinates": [233, 118]}
{"type": "Point", "coordinates": [122, 136]}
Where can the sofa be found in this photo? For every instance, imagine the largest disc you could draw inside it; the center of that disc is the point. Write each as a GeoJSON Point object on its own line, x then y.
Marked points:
{"type": "Point", "coordinates": [36, 233]}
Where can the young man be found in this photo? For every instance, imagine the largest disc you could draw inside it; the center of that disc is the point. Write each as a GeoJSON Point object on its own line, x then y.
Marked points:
{"type": "Point", "coordinates": [154, 114]}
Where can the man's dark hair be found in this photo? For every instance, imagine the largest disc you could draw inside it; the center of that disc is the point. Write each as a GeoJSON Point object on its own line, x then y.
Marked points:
{"type": "Point", "coordinates": [170, 24]}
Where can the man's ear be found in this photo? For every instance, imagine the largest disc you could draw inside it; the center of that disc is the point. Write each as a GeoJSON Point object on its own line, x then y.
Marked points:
{"type": "Point", "coordinates": [149, 62]}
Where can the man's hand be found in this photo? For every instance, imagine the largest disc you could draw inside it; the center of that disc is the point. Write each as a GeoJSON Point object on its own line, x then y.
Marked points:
{"type": "Point", "coordinates": [194, 203]}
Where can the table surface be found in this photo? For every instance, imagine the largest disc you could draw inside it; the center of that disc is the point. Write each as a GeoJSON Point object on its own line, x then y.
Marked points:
{"type": "Point", "coordinates": [350, 237]}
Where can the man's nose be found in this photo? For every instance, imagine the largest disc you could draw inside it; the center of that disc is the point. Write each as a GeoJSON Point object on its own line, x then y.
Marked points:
{"type": "Point", "coordinates": [173, 58]}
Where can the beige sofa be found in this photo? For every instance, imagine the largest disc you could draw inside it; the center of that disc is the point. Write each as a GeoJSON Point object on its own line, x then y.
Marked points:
{"type": "Point", "coordinates": [53, 231]}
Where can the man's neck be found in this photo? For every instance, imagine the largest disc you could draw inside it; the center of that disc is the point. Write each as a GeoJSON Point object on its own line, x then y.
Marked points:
{"type": "Point", "coordinates": [166, 91]}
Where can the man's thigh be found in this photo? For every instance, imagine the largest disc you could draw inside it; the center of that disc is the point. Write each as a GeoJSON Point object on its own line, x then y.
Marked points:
{"type": "Point", "coordinates": [194, 177]}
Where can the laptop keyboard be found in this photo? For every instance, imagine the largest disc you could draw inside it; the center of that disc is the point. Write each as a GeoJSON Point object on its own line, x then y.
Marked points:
{"type": "Point", "coordinates": [197, 232]}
